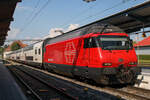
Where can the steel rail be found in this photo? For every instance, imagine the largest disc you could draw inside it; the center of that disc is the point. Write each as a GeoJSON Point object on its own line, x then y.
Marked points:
{"type": "Point", "coordinates": [138, 91]}
{"type": "Point", "coordinates": [113, 91]}
{"type": "Point", "coordinates": [49, 85]}
{"type": "Point", "coordinates": [127, 94]}
{"type": "Point", "coordinates": [24, 83]}
{"type": "Point", "coordinates": [124, 93]}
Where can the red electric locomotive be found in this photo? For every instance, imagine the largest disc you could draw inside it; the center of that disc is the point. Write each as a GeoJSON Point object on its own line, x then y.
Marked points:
{"type": "Point", "coordinates": [101, 52]}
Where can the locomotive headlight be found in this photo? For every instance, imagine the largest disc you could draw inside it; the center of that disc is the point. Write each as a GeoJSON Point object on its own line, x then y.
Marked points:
{"type": "Point", "coordinates": [132, 63]}
{"type": "Point", "coordinates": [107, 64]}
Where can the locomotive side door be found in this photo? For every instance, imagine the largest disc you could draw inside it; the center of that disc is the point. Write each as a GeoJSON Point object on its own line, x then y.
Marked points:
{"type": "Point", "coordinates": [94, 53]}
{"type": "Point", "coordinates": [83, 58]}
{"type": "Point", "coordinates": [86, 51]}
{"type": "Point", "coordinates": [91, 56]}
{"type": "Point", "coordinates": [86, 56]}
{"type": "Point", "coordinates": [90, 48]}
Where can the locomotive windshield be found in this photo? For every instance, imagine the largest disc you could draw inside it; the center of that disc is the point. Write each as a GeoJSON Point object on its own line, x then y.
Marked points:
{"type": "Point", "coordinates": [115, 42]}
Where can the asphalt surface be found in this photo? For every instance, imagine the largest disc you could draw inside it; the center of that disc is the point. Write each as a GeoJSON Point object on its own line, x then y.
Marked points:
{"type": "Point", "coordinates": [9, 90]}
{"type": "Point", "coordinates": [146, 70]}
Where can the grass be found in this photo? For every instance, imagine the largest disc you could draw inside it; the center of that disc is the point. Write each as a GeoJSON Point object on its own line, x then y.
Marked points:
{"type": "Point", "coordinates": [144, 57]}
{"type": "Point", "coordinates": [145, 63]}
{"type": "Point", "coordinates": [144, 60]}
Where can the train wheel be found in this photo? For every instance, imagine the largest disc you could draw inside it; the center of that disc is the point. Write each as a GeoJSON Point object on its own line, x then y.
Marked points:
{"type": "Point", "coordinates": [134, 80]}
{"type": "Point", "coordinates": [125, 77]}
{"type": "Point", "coordinates": [104, 80]}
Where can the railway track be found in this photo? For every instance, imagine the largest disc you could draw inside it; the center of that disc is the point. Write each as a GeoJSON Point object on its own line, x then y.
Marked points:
{"type": "Point", "coordinates": [40, 89]}
{"type": "Point", "coordinates": [42, 83]}
{"type": "Point", "coordinates": [129, 93]}
{"type": "Point", "coordinates": [137, 91]}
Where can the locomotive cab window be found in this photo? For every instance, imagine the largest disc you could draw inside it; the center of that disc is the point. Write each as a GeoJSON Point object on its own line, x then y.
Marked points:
{"type": "Point", "coordinates": [86, 43]}
{"type": "Point", "coordinates": [90, 42]}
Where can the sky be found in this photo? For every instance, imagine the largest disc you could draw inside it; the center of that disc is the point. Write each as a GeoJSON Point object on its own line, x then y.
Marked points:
{"type": "Point", "coordinates": [35, 19]}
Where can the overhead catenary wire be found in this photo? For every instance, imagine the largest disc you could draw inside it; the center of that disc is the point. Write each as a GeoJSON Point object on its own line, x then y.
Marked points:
{"type": "Point", "coordinates": [79, 14]}
{"type": "Point", "coordinates": [32, 13]}
{"type": "Point", "coordinates": [65, 25]}
{"type": "Point", "coordinates": [34, 9]}
{"type": "Point", "coordinates": [101, 12]}
{"type": "Point", "coordinates": [36, 14]}
{"type": "Point", "coordinates": [37, 4]}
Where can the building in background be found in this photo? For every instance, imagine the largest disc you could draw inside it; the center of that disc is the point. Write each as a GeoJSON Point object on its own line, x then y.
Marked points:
{"type": "Point", "coordinates": [143, 47]}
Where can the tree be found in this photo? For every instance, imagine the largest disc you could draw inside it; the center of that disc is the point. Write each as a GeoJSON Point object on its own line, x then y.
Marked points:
{"type": "Point", "coordinates": [1, 50]}
{"type": "Point", "coordinates": [134, 42]}
{"type": "Point", "coordinates": [15, 46]}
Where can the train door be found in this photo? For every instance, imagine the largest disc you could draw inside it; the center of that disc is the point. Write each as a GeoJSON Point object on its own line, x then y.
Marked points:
{"type": "Point", "coordinates": [94, 53]}
{"type": "Point", "coordinates": [81, 59]}
{"type": "Point", "coordinates": [85, 58]}
{"type": "Point", "coordinates": [91, 57]}
{"type": "Point", "coordinates": [90, 47]}
{"type": "Point", "coordinates": [86, 52]}
{"type": "Point", "coordinates": [35, 54]}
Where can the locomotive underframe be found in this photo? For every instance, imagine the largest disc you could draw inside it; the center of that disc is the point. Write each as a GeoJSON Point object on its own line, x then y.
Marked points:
{"type": "Point", "coordinates": [106, 76]}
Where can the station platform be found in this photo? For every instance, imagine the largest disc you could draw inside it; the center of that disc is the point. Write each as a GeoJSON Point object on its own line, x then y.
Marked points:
{"type": "Point", "coordinates": [9, 90]}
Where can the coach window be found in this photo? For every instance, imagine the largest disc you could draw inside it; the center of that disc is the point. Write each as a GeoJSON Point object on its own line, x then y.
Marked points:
{"type": "Point", "coordinates": [39, 51]}
{"type": "Point", "coordinates": [35, 51]}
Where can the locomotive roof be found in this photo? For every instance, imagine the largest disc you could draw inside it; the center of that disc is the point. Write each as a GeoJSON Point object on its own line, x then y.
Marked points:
{"type": "Point", "coordinates": [93, 28]}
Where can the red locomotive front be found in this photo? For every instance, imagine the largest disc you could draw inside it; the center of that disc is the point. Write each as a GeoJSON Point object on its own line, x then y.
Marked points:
{"type": "Point", "coordinates": [105, 57]}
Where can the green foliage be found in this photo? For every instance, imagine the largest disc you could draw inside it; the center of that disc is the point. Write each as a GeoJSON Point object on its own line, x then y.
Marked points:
{"type": "Point", "coordinates": [1, 50]}
{"type": "Point", "coordinates": [134, 42]}
{"type": "Point", "coordinates": [15, 46]}
{"type": "Point", "coordinates": [144, 57]}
